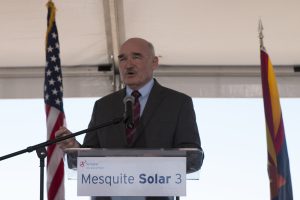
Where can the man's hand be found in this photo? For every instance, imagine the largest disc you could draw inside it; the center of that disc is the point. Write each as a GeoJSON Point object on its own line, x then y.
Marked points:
{"type": "Point", "coordinates": [69, 143]}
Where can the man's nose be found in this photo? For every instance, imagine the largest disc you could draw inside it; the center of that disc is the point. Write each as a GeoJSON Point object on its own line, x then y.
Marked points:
{"type": "Point", "coordinates": [129, 63]}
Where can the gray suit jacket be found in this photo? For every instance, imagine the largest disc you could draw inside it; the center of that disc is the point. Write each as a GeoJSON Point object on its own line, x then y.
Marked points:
{"type": "Point", "coordinates": [168, 121]}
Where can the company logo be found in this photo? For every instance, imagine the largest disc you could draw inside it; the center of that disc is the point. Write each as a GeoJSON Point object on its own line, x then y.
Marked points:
{"type": "Point", "coordinates": [82, 163]}
{"type": "Point", "coordinates": [88, 164]}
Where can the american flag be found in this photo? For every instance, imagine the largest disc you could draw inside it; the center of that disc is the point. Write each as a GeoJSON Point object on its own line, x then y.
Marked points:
{"type": "Point", "coordinates": [53, 96]}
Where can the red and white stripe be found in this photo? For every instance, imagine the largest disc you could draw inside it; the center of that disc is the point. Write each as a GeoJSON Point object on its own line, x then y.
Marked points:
{"type": "Point", "coordinates": [55, 163]}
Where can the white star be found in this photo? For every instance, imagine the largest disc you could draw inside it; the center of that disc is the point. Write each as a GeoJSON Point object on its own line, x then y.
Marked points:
{"type": "Point", "coordinates": [54, 35]}
{"type": "Point", "coordinates": [59, 78]}
{"type": "Point", "coordinates": [50, 49]}
{"type": "Point", "coordinates": [57, 101]}
{"type": "Point", "coordinates": [54, 92]}
{"type": "Point", "coordinates": [61, 89]}
{"type": "Point", "coordinates": [46, 96]}
{"type": "Point", "coordinates": [56, 68]}
{"type": "Point", "coordinates": [45, 88]}
{"type": "Point", "coordinates": [51, 82]}
{"type": "Point", "coordinates": [49, 72]}
{"type": "Point", "coordinates": [57, 45]}
{"type": "Point", "coordinates": [53, 58]}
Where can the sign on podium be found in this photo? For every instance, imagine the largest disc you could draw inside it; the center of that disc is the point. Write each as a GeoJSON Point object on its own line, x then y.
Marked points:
{"type": "Point", "coordinates": [133, 172]}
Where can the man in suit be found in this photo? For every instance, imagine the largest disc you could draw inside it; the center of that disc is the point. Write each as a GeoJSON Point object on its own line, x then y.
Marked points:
{"type": "Point", "coordinates": [166, 117]}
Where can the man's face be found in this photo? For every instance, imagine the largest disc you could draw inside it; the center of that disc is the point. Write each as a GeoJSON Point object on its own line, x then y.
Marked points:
{"type": "Point", "coordinates": [137, 63]}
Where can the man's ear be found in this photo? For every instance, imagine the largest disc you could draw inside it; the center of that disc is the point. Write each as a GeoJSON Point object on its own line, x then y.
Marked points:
{"type": "Point", "coordinates": [155, 62]}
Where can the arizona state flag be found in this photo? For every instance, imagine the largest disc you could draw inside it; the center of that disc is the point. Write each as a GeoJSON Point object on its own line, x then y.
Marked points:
{"type": "Point", "coordinates": [278, 159]}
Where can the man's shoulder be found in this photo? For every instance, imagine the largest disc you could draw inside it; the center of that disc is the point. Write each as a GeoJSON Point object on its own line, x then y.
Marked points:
{"type": "Point", "coordinates": [112, 97]}
{"type": "Point", "coordinates": [171, 92]}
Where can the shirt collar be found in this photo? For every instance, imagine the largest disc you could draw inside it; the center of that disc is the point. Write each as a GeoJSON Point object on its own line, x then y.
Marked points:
{"type": "Point", "coordinates": [144, 91]}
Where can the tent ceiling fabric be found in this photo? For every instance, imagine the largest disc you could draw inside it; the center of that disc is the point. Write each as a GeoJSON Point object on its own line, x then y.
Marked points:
{"type": "Point", "coordinates": [80, 27]}
{"type": "Point", "coordinates": [198, 32]}
{"type": "Point", "coordinates": [191, 34]}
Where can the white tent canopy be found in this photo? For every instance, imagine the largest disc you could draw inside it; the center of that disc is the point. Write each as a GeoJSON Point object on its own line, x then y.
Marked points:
{"type": "Point", "coordinates": [206, 48]}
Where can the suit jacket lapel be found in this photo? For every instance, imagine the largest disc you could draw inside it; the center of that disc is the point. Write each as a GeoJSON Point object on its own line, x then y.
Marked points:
{"type": "Point", "coordinates": [155, 98]}
{"type": "Point", "coordinates": [118, 112]}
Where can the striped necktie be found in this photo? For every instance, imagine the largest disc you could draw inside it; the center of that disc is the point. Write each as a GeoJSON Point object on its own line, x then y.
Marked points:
{"type": "Point", "coordinates": [136, 116]}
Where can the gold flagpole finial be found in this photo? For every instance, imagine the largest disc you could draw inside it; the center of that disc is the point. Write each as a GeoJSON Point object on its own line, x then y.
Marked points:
{"type": "Point", "coordinates": [260, 34]}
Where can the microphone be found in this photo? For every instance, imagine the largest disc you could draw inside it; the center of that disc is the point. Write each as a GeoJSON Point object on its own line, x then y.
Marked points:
{"type": "Point", "coordinates": [128, 114]}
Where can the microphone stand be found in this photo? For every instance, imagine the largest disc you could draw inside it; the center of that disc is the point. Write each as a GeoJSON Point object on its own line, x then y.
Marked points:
{"type": "Point", "coordinates": [42, 153]}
